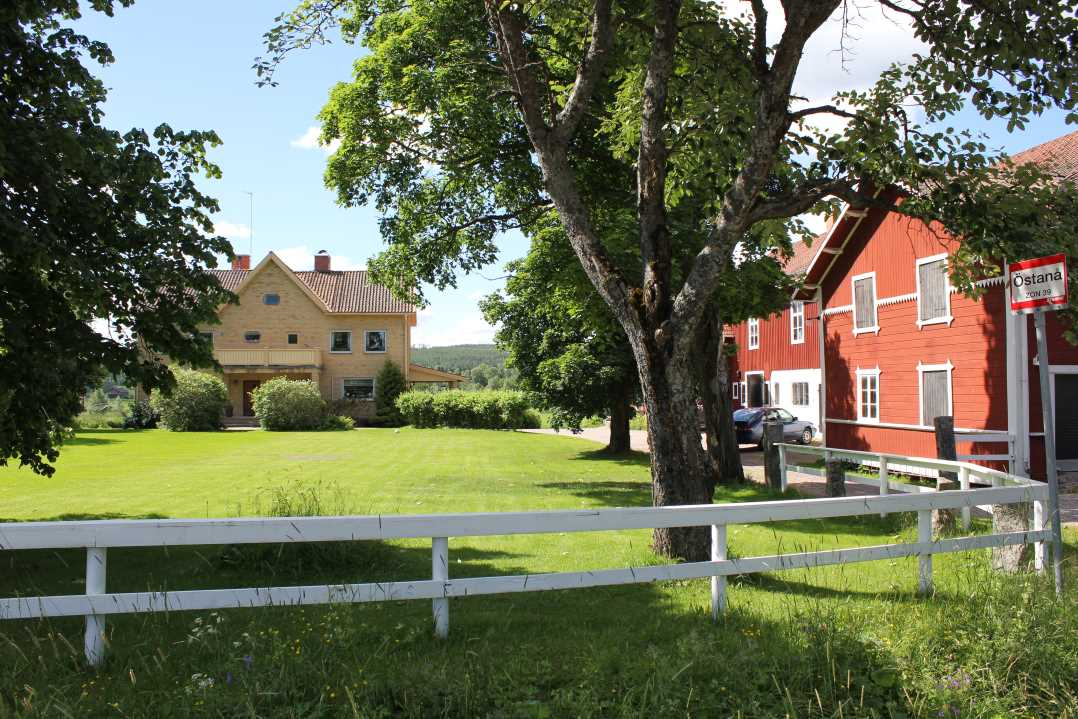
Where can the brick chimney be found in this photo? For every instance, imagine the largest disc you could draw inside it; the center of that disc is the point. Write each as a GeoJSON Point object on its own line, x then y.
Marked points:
{"type": "Point", "coordinates": [321, 261]}
{"type": "Point", "coordinates": [241, 262]}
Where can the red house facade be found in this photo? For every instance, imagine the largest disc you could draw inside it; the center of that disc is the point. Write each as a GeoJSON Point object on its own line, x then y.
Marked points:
{"type": "Point", "coordinates": [901, 346]}
{"type": "Point", "coordinates": [778, 358]}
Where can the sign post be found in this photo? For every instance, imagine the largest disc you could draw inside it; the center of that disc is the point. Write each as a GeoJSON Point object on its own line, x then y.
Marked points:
{"type": "Point", "coordinates": [1039, 286]}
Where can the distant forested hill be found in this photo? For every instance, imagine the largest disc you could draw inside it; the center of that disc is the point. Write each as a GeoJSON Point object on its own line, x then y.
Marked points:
{"type": "Point", "coordinates": [459, 358]}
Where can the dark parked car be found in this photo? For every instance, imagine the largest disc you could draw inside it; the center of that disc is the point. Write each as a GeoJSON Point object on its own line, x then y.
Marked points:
{"type": "Point", "coordinates": [749, 424]}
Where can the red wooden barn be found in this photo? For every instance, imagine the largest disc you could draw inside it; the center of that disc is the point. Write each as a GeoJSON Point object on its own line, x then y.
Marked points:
{"type": "Point", "coordinates": [901, 346]}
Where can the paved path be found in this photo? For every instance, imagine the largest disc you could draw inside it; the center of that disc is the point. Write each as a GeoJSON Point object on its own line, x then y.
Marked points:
{"type": "Point", "coordinates": [809, 485]}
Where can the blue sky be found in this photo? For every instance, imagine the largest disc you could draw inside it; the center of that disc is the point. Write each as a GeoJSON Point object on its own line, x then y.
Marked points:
{"type": "Point", "coordinates": [188, 64]}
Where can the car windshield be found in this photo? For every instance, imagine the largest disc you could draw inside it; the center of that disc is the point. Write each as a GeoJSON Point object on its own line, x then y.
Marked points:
{"type": "Point", "coordinates": [746, 415]}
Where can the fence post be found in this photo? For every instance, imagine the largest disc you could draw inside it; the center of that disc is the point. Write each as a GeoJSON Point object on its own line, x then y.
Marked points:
{"type": "Point", "coordinates": [783, 480]}
{"type": "Point", "coordinates": [718, 584]}
{"type": "Point", "coordinates": [924, 535]}
{"type": "Point", "coordinates": [963, 483]}
{"type": "Point", "coordinates": [943, 519]}
{"type": "Point", "coordinates": [440, 572]}
{"type": "Point", "coordinates": [1038, 526]}
{"type": "Point", "coordinates": [772, 438]}
{"type": "Point", "coordinates": [96, 571]}
{"type": "Point", "coordinates": [836, 478]}
{"type": "Point", "coordinates": [885, 483]}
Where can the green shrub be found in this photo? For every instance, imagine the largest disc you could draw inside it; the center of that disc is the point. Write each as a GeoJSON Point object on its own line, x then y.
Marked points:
{"type": "Point", "coordinates": [288, 405]}
{"type": "Point", "coordinates": [502, 409]}
{"type": "Point", "coordinates": [140, 416]}
{"type": "Point", "coordinates": [417, 408]}
{"type": "Point", "coordinates": [337, 422]}
{"type": "Point", "coordinates": [196, 404]}
{"type": "Point", "coordinates": [388, 385]}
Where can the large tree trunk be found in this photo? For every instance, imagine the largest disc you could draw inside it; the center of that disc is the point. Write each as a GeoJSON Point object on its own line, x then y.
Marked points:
{"type": "Point", "coordinates": [722, 451]}
{"type": "Point", "coordinates": [679, 467]}
{"type": "Point", "coordinates": [620, 413]}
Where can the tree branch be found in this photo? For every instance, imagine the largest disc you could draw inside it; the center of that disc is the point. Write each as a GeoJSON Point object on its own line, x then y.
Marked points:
{"type": "Point", "coordinates": [589, 71]}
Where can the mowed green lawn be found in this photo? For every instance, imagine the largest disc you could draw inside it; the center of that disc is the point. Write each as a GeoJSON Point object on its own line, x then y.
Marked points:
{"type": "Point", "coordinates": [835, 641]}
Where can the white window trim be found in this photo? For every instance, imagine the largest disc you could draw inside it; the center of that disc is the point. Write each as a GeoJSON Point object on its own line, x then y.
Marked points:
{"type": "Point", "coordinates": [946, 319]}
{"type": "Point", "coordinates": [348, 351]}
{"type": "Point", "coordinates": [801, 311]}
{"type": "Point", "coordinates": [875, 328]}
{"type": "Point", "coordinates": [385, 344]}
{"type": "Point", "coordinates": [373, 388]}
{"type": "Point", "coordinates": [874, 372]}
{"type": "Point", "coordinates": [754, 322]}
{"type": "Point", "coordinates": [921, 369]}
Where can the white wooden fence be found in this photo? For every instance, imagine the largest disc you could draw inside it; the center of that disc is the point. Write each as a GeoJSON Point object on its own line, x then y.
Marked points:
{"type": "Point", "coordinates": [97, 536]}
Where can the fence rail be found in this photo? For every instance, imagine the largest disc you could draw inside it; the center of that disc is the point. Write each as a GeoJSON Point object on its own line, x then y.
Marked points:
{"type": "Point", "coordinates": [98, 536]}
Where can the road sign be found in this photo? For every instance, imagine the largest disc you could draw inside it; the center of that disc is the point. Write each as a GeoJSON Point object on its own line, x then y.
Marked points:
{"type": "Point", "coordinates": [1038, 285]}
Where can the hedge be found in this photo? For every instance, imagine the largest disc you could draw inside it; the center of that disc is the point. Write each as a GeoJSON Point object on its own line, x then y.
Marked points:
{"type": "Point", "coordinates": [196, 404]}
{"type": "Point", "coordinates": [502, 409]}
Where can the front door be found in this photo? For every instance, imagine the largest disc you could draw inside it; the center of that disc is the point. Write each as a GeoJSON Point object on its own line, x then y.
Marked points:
{"type": "Point", "coordinates": [1066, 407]}
{"type": "Point", "coordinates": [249, 386]}
{"type": "Point", "coordinates": [755, 388]}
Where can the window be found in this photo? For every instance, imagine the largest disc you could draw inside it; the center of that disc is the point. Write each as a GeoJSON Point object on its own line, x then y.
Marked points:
{"type": "Point", "coordinates": [252, 336]}
{"type": "Point", "coordinates": [801, 394]}
{"type": "Point", "coordinates": [775, 394]}
{"type": "Point", "coordinates": [935, 392]}
{"type": "Point", "coordinates": [340, 341]}
{"type": "Point", "coordinates": [744, 392]}
{"type": "Point", "coordinates": [933, 291]}
{"type": "Point", "coordinates": [784, 416]}
{"type": "Point", "coordinates": [754, 333]}
{"type": "Point", "coordinates": [735, 387]}
{"type": "Point", "coordinates": [358, 388]}
{"type": "Point", "coordinates": [293, 338]}
{"type": "Point", "coordinates": [797, 322]}
{"type": "Point", "coordinates": [864, 304]}
{"type": "Point", "coordinates": [868, 395]}
{"type": "Point", "coordinates": [374, 341]}
{"type": "Point", "coordinates": [271, 299]}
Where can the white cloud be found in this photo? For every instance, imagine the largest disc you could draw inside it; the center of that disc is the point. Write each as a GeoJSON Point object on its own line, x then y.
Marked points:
{"type": "Point", "coordinates": [231, 230]}
{"type": "Point", "coordinates": [310, 140]}
{"type": "Point", "coordinates": [301, 257]}
{"type": "Point", "coordinates": [469, 328]}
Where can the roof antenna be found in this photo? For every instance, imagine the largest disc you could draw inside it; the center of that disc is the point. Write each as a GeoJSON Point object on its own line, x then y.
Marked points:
{"type": "Point", "coordinates": [251, 224]}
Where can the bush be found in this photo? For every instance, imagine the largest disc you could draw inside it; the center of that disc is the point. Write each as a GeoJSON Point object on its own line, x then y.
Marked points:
{"type": "Point", "coordinates": [140, 416]}
{"type": "Point", "coordinates": [388, 385]}
{"type": "Point", "coordinates": [337, 423]}
{"type": "Point", "coordinates": [288, 405]}
{"type": "Point", "coordinates": [196, 404]}
{"type": "Point", "coordinates": [474, 410]}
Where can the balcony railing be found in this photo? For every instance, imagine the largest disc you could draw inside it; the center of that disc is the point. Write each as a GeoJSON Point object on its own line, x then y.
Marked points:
{"type": "Point", "coordinates": [268, 357]}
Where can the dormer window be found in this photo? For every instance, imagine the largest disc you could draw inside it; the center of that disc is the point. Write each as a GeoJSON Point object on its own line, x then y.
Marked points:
{"type": "Point", "coordinates": [271, 298]}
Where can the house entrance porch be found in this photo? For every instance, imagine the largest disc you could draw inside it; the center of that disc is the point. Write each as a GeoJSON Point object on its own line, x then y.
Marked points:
{"type": "Point", "coordinates": [241, 384]}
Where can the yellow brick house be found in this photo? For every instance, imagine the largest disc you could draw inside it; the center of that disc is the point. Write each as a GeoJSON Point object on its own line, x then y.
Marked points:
{"type": "Point", "coordinates": [334, 327]}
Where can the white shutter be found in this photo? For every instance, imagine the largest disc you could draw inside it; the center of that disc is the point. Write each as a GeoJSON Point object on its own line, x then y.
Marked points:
{"type": "Point", "coordinates": [864, 303]}
{"type": "Point", "coordinates": [935, 395]}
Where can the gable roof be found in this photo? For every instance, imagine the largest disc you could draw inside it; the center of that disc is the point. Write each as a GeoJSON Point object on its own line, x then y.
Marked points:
{"type": "Point", "coordinates": [336, 291]}
{"type": "Point", "coordinates": [802, 256]}
{"type": "Point", "coordinates": [1059, 157]}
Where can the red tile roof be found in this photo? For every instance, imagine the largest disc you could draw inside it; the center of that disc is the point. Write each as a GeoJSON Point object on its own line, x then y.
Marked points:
{"type": "Point", "coordinates": [1058, 156]}
{"type": "Point", "coordinates": [803, 254]}
{"type": "Point", "coordinates": [347, 291]}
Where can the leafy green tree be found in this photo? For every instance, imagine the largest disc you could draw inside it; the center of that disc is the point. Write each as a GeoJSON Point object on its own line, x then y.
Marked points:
{"type": "Point", "coordinates": [570, 353]}
{"type": "Point", "coordinates": [466, 119]}
{"type": "Point", "coordinates": [388, 385]}
{"type": "Point", "coordinates": [93, 224]}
